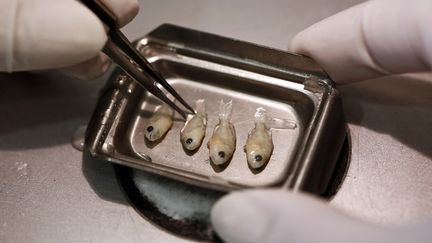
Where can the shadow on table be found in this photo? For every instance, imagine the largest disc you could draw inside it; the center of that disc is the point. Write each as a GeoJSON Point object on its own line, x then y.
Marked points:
{"type": "Point", "coordinates": [43, 109]}
{"type": "Point", "coordinates": [101, 177]}
{"type": "Point", "coordinates": [400, 106]}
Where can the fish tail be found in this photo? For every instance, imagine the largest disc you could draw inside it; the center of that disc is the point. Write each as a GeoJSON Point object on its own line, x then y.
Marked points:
{"type": "Point", "coordinates": [272, 122]}
{"type": "Point", "coordinates": [260, 115]}
{"type": "Point", "coordinates": [225, 110]}
{"type": "Point", "coordinates": [200, 107]}
{"type": "Point", "coordinates": [278, 123]}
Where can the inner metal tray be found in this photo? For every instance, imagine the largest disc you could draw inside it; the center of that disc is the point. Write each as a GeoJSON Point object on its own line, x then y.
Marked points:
{"type": "Point", "coordinates": [205, 66]}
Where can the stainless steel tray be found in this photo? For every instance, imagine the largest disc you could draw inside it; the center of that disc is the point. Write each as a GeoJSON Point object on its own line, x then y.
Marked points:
{"type": "Point", "coordinates": [200, 65]}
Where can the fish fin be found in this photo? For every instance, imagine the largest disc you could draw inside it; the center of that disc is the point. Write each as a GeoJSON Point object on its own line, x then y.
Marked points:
{"type": "Point", "coordinates": [200, 107]}
{"type": "Point", "coordinates": [272, 122]}
{"type": "Point", "coordinates": [278, 123]}
{"type": "Point", "coordinates": [225, 110]}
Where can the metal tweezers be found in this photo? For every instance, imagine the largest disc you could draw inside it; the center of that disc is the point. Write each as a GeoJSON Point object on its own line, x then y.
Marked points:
{"type": "Point", "coordinates": [122, 52]}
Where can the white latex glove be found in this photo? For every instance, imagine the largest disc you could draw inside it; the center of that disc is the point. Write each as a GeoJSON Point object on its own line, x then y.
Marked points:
{"type": "Point", "coordinates": [273, 216]}
{"type": "Point", "coordinates": [44, 34]}
{"type": "Point", "coordinates": [372, 39]}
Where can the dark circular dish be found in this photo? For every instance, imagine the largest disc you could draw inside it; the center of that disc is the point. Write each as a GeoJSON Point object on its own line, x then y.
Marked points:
{"type": "Point", "coordinates": [201, 229]}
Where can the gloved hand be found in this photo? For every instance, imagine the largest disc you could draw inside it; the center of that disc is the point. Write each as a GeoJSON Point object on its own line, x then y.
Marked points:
{"type": "Point", "coordinates": [42, 34]}
{"type": "Point", "coordinates": [369, 40]}
{"type": "Point", "coordinates": [372, 39]}
{"type": "Point", "coordinates": [276, 216]}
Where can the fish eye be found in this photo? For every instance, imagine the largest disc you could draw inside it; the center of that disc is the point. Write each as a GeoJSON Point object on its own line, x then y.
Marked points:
{"type": "Point", "coordinates": [258, 157]}
{"type": "Point", "coordinates": [221, 154]}
{"type": "Point", "coordinates": [149, 128]}
{"type": "Point", "coordinates": [189, 140]}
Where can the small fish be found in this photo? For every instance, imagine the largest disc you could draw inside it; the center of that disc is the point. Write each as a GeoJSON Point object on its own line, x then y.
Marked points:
{"type": "Point", "coordinates": [223, 141]}
{"type": "Point", "coordinates": [160, 122]}
{"type": "Point", "coordinates": [259, 144]}
{"type": "Point", "coordinates": [193, 132]}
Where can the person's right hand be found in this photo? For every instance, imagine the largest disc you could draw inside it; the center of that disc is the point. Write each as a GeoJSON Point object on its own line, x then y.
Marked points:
{"type": "Point", "coordinates": [45, 34]}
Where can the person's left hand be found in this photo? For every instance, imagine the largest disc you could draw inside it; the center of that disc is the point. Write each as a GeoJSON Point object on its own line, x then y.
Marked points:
{"type": "Point", "coordinates": [46, 34]}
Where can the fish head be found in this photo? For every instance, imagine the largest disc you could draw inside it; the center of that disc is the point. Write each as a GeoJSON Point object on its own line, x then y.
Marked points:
{"type": "Point", "coordinates": [153, 133]}
{"type": "Point", "coordinates": [191, 142]}
{"type": "Point", "coordinates": [192, 137]}
{"type": "Point", "coordinates": [257, 157]}
{"type": "Point", "coordinates": [220, 153]}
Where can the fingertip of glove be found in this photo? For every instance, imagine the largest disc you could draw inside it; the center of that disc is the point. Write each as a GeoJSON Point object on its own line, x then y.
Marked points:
{"type": "Point", "coordinates": [90, 31]}
{"type": "Point", "coordinates": [293, 46]}
{"type": "Point", "coordinates": [90, 69]}
{"type": "Point", "coordinates": [266, 215]}
{"type": "Point", "coordinates": [125, 10]}
{"type": "Point", "coordinates": [77, 27]}
{"type": "Point", "coordinates": [71, 34]}
{"type": "Point", "coordinates": [238, 218]}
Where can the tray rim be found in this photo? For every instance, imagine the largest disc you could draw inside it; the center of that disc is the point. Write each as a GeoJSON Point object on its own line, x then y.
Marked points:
{"type": "Point", "coordinates": [298, 69]}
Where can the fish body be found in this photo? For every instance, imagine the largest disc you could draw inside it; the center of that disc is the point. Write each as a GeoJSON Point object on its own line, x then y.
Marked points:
{"type": "Point", "coordinates": [193, 132]}
{"type": "Point", "coordinates": [159, 123]}
{"type": "Point", "coordinates": [259, 144]}
{"type": "Point", "coordinates": [223, 141]}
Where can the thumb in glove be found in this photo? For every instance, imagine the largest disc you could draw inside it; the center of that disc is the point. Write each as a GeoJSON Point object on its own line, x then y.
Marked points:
{"type": "Point", "coordinates": [279, 216]}
{"type": "Point", "coordinates": [370, 40]}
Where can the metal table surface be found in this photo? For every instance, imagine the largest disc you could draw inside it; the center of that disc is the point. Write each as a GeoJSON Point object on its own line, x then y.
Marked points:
{"type": "Point", "coordinates": [47, 193]}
